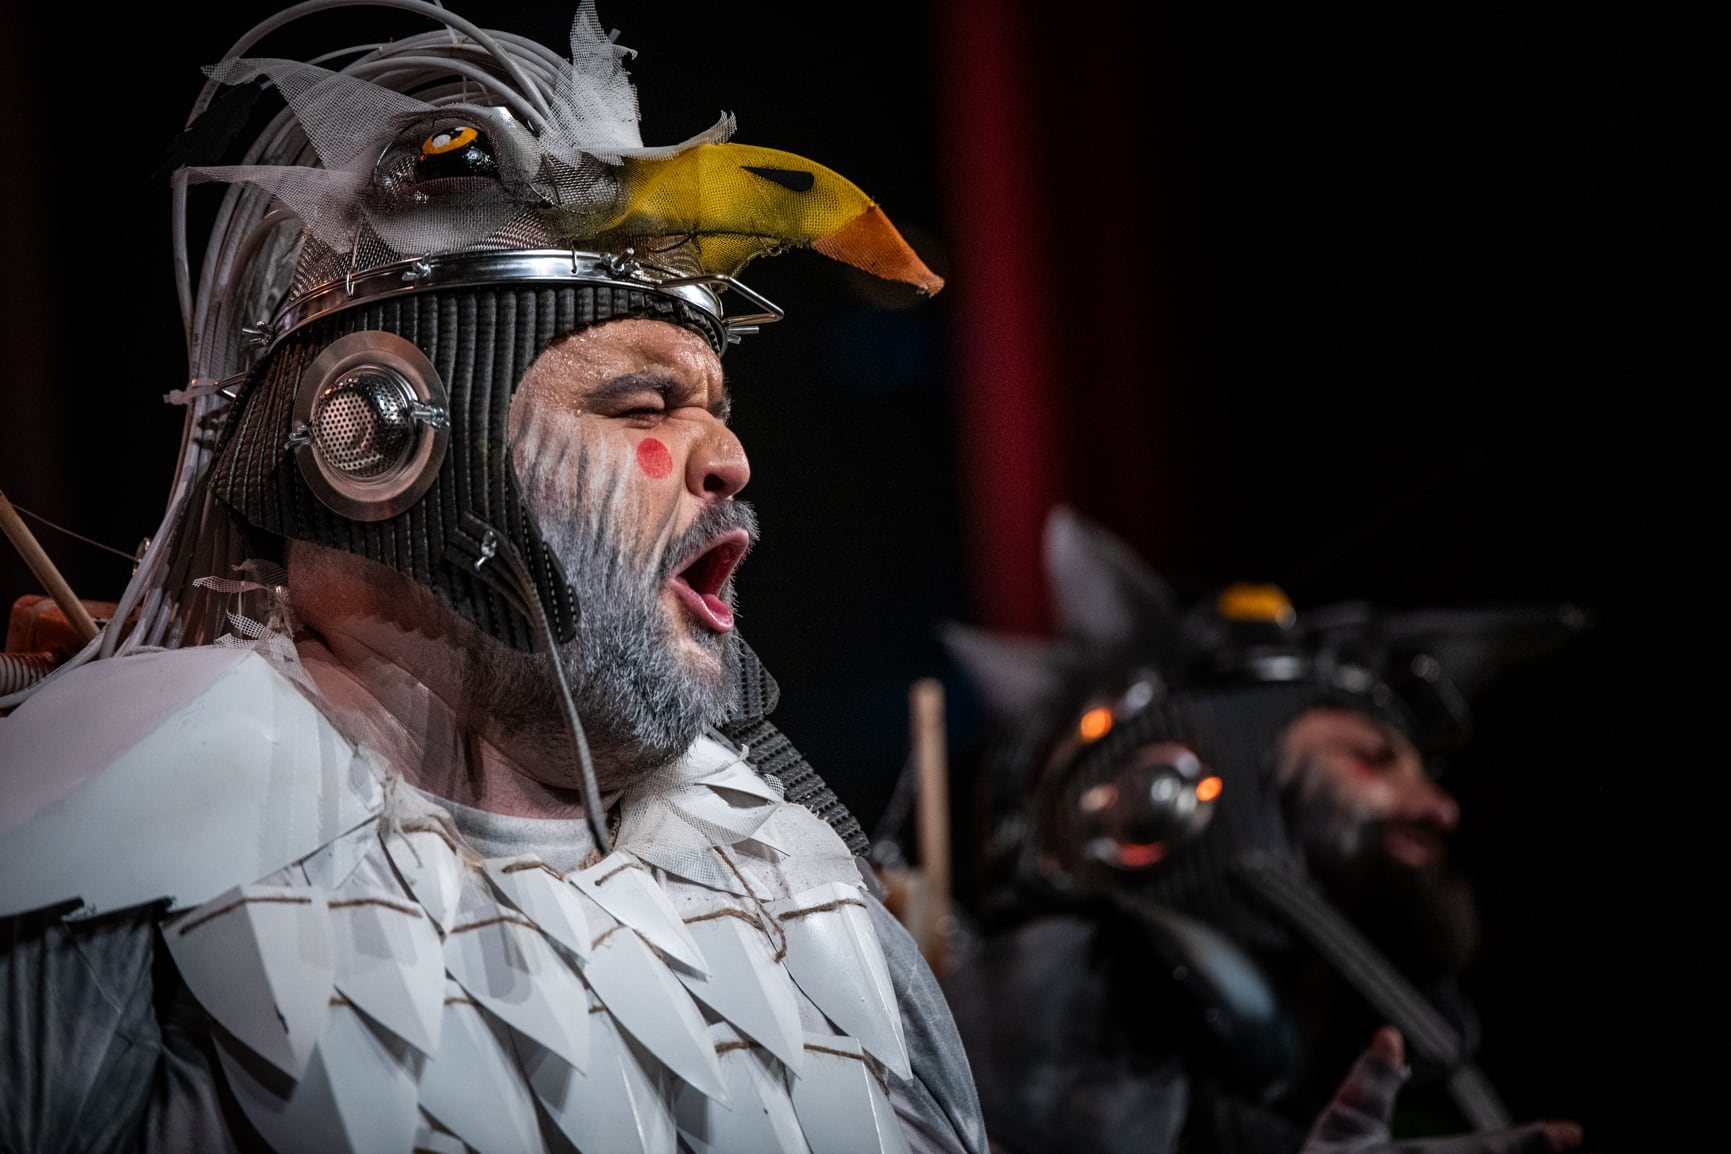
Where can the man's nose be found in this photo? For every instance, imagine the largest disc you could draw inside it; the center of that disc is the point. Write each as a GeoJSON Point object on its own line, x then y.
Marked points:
{"type": "Point", "coordinates": [1428, 804]}
{"type": "Point", "coordinates": [717, 467]}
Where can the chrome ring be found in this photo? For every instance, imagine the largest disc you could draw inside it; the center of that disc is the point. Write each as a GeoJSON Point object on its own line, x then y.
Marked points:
{"type": "Point", "coordinates": [521, 266]}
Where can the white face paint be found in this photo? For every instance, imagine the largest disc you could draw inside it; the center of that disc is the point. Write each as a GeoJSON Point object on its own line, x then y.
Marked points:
{"type": "Point", "coordinates": [620, 449]}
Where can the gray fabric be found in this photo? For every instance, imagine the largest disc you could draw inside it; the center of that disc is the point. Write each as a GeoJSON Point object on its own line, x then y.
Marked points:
{"type": "Point", "coordinates": [104, 1048]}
{"type": "Point", "coordinates": [939, 1108]}
{"type": "Point", "coordinates": [1072, 1052]}
{"type": "Point", "coordinates": [562, 843]}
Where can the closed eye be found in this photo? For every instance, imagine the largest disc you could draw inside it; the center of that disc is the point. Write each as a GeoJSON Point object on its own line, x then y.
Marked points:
{"type": "Point", "coordinates": [638, 396]}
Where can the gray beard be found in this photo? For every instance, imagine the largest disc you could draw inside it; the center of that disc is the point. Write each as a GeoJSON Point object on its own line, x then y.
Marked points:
{"type": "Point", "coordinates": [642, 703]}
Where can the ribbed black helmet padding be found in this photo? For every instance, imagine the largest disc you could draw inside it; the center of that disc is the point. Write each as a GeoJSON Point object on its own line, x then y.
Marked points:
{"type": "Point", "coordinates": [481, 342]}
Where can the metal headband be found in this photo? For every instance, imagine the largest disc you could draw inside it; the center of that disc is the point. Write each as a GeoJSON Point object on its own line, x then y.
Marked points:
{"type": "Point", "coordinates": [522, 266]}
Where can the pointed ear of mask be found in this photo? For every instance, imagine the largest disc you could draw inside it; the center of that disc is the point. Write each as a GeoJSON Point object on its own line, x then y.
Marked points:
{"type": "Point", "coordinates": [1103, 594]}
{"type": "Point", "coordinates": [1478, 647]}
{"type": "Point", "coordinates": [1010, 673]}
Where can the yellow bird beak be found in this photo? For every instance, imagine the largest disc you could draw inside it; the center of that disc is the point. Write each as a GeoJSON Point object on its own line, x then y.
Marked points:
{"type": "Point", "coordinates": [737, 202]}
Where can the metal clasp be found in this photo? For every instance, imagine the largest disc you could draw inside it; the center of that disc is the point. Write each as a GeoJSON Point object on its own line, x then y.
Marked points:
{"type": "Point", "coordinates": [489, 547]}
{"type": "Point", "coordinates": [620, 263]}
{"type": "Point", "coordinates": [431, 415]}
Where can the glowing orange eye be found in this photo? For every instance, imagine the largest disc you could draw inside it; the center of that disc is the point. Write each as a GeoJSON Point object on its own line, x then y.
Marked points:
{"type": "Point", "coordinates": [1095, 724]}
{"type": "Point", "coordinates": [447, 140]}
{"type": "Point", "coordinates": [1208, 789]}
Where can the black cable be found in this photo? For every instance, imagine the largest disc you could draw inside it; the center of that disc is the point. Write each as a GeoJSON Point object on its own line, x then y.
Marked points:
{"type": "Point", "coordinates": [531, 598]}
{"type": "Point", "coordinates": [40, 519]}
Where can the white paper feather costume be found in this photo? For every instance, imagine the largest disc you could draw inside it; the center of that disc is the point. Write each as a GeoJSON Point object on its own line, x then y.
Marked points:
{"type": "Point", "coordinates": [379, 984]}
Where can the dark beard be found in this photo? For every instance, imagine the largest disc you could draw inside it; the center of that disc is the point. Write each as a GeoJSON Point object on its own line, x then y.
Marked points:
{"type": "Point", "coordinates": [641, 702]}
{"type": "Point", "coordinates": [1423, 919]}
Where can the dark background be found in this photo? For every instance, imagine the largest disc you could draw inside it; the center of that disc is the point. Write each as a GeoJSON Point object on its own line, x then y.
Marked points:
{"type": "Point", "coordinates": [1418, 304]}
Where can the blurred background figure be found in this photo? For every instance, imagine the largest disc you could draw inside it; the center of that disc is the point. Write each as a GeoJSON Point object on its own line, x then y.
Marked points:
{"type": "Point", "coordinates": [1213, 858]}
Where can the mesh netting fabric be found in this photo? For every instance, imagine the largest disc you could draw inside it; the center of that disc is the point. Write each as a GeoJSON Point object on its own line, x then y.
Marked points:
{"type": "Point", "coordinates": [553, 154]}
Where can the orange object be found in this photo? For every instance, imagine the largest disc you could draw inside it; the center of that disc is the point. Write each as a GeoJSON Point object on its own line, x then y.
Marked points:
{"type": "Point", "coordinates": [1095, 724]}
{"type": "Point", "coordinates": [1208, 789]}
{"type": "Point", "coordinates": [1246, 602]}
{"type": "Point", "coordinates": [39, 625]}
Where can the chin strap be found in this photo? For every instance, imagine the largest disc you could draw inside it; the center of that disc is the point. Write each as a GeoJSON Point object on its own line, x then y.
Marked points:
{"type": "Point", "coordinates": [1378, 982]}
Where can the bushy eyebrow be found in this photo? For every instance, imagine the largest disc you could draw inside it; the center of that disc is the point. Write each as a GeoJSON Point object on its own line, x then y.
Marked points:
{"type": "Point", "coordinates": [672, 391]}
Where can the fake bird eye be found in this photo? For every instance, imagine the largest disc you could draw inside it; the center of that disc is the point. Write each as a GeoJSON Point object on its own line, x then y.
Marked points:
{"type": "Point", "coordinates": [431, 153]}
{"type": "Point", "coordinates": [457, 150]}
{"type": "Point", "coordinates": [449, 140]}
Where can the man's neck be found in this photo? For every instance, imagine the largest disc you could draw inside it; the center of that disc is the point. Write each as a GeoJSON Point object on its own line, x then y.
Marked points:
{"type": "Point", "coordinates": [388, 658]}
{"type": "Point", "coordinates": [412, 726]}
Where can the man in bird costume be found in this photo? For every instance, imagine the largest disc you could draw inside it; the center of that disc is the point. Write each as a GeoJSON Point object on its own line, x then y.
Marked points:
{"type": "Point", "coordinates": [1213, 864]}
{"type": "Point", "coordinates": [420, 794]}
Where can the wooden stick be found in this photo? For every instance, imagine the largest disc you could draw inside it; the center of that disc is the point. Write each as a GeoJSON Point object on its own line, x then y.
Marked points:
{"type": "Point", "coordinates": [25, 542]}
{"type": "Point", "coordinates": [931, 771]}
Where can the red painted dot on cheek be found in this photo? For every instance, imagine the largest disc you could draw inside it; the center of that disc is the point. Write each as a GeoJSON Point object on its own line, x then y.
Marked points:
{"type": "Point", "coordinates": [653, 458]}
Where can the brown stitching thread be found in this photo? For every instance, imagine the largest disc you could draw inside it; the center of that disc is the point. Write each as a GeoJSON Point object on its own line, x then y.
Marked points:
{"type": "Point", "coordinates": [400, 907]}
{"type": "Point", "coordinates": [533, 865]}
{"type": "Point", "coordinates": [871, 1066]}
{"type": "Point", "coordinates": [514, 919]}
{"type": "Point", "coordinates": [661, 955]}
{"type": "Point", "coordinates": [722, 852]}
{"type": "Point", "coordinates": [615, 818]}
{"type": "Point", "coordinates": [597, 1009]}
{"type": "Point", "coordinates": [339, 1000]}
{"type": "Point", "coordinates": [614, 872]}
{"type": "Point", "coordinates": [236, 904]}
{"type": "Point", "coordinates": [779, 948]}
{"type": "Point", "coordinates": [432, 828]}
{"type": "Point", "coordinates": [461, 1002]}
{"type": "Point", "coordinates": [726, 1046]}
{"type": "Point", "coordinates": [745, 916]}
{"type": "Point", "coordinates": [835, 905]}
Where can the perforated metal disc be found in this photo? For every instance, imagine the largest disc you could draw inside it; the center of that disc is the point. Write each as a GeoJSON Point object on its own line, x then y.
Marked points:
{"type": "Point", "coordinates": [361, 445]}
